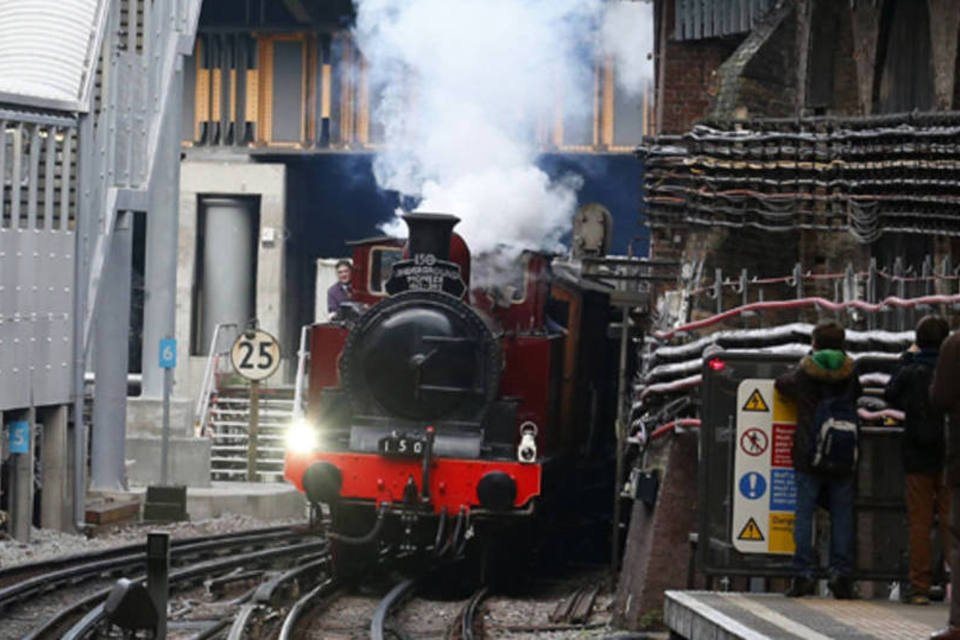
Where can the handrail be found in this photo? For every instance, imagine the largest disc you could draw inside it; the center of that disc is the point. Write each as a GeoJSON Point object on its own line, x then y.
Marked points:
{"type": "Point", "coordinates": [302, 356]}
{"type": "Point", "coordinates": [203, 402]}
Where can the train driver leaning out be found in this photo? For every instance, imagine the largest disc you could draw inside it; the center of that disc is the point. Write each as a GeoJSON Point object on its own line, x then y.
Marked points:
{"type": "Point", "coordinates": [340, 291]}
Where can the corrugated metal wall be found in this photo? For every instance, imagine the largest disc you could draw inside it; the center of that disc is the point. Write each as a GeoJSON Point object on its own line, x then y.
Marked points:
{"type": "Point", "coordinates": [696, 19]}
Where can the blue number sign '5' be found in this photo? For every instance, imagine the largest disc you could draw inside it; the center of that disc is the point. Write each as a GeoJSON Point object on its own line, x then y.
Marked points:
{"type": "Point", "coordinates": [19, 436]}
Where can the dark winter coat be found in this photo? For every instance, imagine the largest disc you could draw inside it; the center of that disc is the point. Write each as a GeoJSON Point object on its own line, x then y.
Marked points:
{"type": "Point", "coordinates": [822, 374]}
{"type": "Point", "coordinates": [945, 393]}
{"type": "Point", "coordinates": [924, 440]}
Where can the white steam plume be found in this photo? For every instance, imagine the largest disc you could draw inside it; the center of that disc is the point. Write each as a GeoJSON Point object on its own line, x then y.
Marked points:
{"type": "Point", "coordinates": [463, 86]}
{"type": "Point", "coordinates": [627, 35]}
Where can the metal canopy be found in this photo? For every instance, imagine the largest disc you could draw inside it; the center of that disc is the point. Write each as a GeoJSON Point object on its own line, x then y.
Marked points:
{"type": "Point", "coordinates": [697, 19]}
{"type": "Point", "coordinates": [48, 51]}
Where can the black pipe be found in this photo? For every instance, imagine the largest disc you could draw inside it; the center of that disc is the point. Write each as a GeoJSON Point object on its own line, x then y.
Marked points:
{"type": "Point", "coordinates": [456, 533]}
{"type": "Point", "coordinates": [369, 537]}
{"type": "Point", "coordinates": [463, 540]}
{"type": "Point", "coordinates": [427, 460]}
{"type": "Point", "coordinates": [441, 527]}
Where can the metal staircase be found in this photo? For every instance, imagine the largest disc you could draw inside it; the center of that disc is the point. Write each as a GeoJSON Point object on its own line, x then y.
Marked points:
{"type": "Point", "coordinates": [228, 428]}
{"type": "Point", "coordinates": [222, 414]}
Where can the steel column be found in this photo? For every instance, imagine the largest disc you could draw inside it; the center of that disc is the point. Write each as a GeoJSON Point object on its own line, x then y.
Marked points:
{"type": "Point", "coordinates": [21, 471]}
{"type": "Point", "coordinates": [86, 224]}
{"type": "Point", "coordinates": [111, 358]}
{"type": "Point", "coordinates": [55, 499]}
{"type": "Point", "coordinates": [159, 315]}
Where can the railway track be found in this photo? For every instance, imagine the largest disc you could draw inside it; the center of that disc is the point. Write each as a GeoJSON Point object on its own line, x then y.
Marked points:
{"type": "Point", "coordinates": [64, 597]}
{"type": "Point", "coordinates": [277, 583]}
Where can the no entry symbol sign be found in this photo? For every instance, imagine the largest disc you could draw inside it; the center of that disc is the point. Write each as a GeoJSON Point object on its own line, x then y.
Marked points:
{"type": "Point", "coordinates": [754, 442]}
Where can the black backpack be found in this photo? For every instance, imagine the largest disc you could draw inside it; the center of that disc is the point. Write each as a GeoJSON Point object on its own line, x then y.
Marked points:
{"type": "Point", "coordinates": [836, 435]}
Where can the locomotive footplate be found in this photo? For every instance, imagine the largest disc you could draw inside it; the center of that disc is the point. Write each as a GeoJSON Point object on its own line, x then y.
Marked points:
{"type": "Point", "coordinates": [450, 483]}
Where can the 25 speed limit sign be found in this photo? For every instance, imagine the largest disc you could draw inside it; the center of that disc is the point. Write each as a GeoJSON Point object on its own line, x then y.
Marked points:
{"type": "Point", "coordinates": [255, 355]}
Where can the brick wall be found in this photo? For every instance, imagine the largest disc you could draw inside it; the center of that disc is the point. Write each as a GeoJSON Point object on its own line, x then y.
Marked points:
{"type": "Point", "coordinates": [657, 553]}
{"type": "Point", "coordinates": [690, 68]}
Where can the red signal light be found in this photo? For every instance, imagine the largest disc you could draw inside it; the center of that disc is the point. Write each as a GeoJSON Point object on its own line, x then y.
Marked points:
{"type": "Point", "coordinates": [716, 364]}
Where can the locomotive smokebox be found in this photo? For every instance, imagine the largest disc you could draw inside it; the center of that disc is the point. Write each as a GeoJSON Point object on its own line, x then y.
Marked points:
{"type": "Point", "coordinates": [430, 233]}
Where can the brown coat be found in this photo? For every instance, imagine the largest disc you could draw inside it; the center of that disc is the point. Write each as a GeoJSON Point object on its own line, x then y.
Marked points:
{"type": "Point", "coordinates": [945, 394]}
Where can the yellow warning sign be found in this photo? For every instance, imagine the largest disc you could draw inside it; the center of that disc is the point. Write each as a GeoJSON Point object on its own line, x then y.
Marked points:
{"type": "Point", "coordinates": [784, 409]}
{"type": "Point", "coordinates": [751, 532]}
{"type": "Point", "coordinates": [781, 532]}
{"type": "Point", "coordinates": [756, 402]}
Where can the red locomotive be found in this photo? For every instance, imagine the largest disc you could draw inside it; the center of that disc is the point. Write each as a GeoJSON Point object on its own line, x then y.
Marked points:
{"type": "Point", "coordinates": [436, 412]}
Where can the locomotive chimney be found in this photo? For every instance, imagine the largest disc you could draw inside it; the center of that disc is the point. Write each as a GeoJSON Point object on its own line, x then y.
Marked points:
{"type": "Point", "coordinates": [430, 233]}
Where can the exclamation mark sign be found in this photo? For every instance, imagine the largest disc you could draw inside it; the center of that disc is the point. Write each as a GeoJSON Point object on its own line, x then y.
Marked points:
{"type": "Point", "coordinates": [752, 479]}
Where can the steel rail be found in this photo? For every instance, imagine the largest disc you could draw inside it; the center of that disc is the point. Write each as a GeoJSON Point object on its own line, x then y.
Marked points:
{"type": "Point", "coordinates": [310, 600]}
{"type": "Point", "coordinates": [266, 594]}
{"type": "Point", "coordinates": [129, 559]}
{"type": "Point", "coordinates": [18, 571]}
{"type": "Point", "coordinates": [398, 594]}
{"type": "Point", "coordinates": [238, 630]}
{"type": "Point", "coordinates": [184, 576]}
{"type": "Point", "coordinates": [468, 617]}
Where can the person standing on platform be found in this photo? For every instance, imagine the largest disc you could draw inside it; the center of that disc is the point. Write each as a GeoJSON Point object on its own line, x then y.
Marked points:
{"type": "Point", "coordinates": [340, 291]}
{"type": "Point", "coordinates": [945, 393]}
{"type": "Point", "coordinates": [825, 388]}
{"type": "Point", "coordinates": [922, 448]}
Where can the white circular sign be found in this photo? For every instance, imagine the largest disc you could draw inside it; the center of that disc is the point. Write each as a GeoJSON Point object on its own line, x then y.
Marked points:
{"type": "Point", "coordinates": [255, 355]}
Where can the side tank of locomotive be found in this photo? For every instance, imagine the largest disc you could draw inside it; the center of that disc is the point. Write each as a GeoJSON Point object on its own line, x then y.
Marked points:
{"type": "Point", "coordinates": [406, 402]}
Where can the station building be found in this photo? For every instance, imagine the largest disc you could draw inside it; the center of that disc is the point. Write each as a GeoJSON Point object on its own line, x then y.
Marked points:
{"type": "Point", "coordinates": [278, 136]}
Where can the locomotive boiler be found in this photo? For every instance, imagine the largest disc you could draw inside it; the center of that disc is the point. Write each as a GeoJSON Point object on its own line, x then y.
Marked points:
{"type": "Point", "coordinates": [438, 412]}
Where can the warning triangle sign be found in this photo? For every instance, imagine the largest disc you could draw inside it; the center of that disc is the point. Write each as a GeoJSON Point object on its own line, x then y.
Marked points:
{"type": "Point", "coordinates": [756, 402]}
{"type": "Point", "coordinates": [751, 532]}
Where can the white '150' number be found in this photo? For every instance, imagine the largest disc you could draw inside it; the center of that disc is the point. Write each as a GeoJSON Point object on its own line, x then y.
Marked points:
{"type": "Point", "coordinates": [404, 446]}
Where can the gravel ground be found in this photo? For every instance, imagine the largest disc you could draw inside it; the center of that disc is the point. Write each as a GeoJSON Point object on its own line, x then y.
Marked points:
{"type": "Point", "coordinates": [517, 616]}
{"type": "Point", "coordinates": [45, 543]}
{"type": "Point", "coordinates": [523, 618]}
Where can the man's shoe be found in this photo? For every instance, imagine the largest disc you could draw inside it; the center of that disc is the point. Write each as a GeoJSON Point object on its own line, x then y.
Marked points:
{"type": "Point", "coordinates": [802, 587]}
{"type": "Point", "coordinates": [949, 633]}
{"type": "Point", "coordinates": [842, 588]}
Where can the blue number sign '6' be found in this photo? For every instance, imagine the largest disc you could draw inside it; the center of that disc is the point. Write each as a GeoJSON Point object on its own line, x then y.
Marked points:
{"type": "Point", "coordinates": [168, 353]}
{"type": "Point", "coordinates": [19, 436]}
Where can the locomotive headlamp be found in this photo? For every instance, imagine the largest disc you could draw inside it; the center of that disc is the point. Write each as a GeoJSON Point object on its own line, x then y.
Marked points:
{"type": "Point", "coordinates": [527, 451]}
{"type": "Point", "coordinates": [301, 437]}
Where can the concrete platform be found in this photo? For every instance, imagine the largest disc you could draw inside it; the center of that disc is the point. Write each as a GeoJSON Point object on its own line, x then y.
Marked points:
{"type": "Point", "coordinates": [697, 615]}
{"type": "Point", "coordinates": [189, 460]}
{"type": "Point", "coordinates": [264, 500]}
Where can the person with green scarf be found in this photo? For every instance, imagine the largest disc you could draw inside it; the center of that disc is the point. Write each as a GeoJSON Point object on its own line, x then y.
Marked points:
{"type": "Point", "coordinates": [828, 372]}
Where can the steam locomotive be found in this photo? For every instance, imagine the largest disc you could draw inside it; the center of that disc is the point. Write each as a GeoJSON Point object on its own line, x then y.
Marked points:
{"type": "Point", "coordinates": [439, 413]}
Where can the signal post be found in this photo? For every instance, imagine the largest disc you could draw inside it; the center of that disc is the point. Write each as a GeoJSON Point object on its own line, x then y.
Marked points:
{"type": "Point", "coordinates": [255, 355]}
